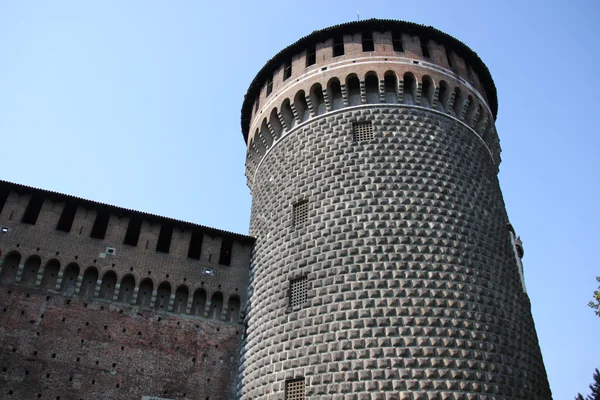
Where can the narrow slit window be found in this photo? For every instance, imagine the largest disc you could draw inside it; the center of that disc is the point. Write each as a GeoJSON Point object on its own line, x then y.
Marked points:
{"type": "Point", "coordinates": [33, 210]}
{"type": "Point", "coordinates": [425, 47]}
{"type": "Point", "coordinates": [298, 291]}
{"type": "Point", "coordinates": [397, 42]}
{"type": "Point", "coordinates": [449, 57]}
{"type": "Point", "coordinates": [287, 69]}
{"type": "Point", "coordinates": [195, 248]}
{"type": "Point", "coordinates": [294, 389]}
{"type": "Point", "coordinates": [367, 41]}
{"type": "Point", "coordinates": [65, 222]}
{"type": "Point", "coordinates": [100, 225]}
{"type": "Point", "coordinates": [132, 235]}
{"type": "Point", "coordinates": [300, 213]}
{"type": "Point", "coordinates": [362, 131]}
{"type": "Point", "coordinates": [256, 105]}
{"type": "Point", "coordinates": [270, 85]}
{"type": "Point", "coordinates": [311, 55]}
{"type": "Point", "coordinates": [164, 239]}
{"type": "Point", "coordinates": [338, 46]}
{"type": "Point", "coordinates": [3, 197]}
{"type": "Point", "coordinates": [225, 254]}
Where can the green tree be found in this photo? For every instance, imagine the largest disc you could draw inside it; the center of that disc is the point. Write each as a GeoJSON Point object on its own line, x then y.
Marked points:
{"type": "Point", "coordinates": [595, 304]}
{"type": "Point", "coordinates": [595, 389]}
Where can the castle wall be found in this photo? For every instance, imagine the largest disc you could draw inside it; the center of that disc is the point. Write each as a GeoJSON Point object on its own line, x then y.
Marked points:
{"type": "Point", "coordinates": [86, 317]}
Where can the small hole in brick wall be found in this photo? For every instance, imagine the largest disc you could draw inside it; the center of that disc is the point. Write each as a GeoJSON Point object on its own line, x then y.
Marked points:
{"type": "Point", "coordinates": [58, 252]}
{"type": "Point", "coordinates": [32, 321]}
{"type": "Point", "coordinates": [131, 268]}
{"type": "Point", "coordinates": [27, 295]}
{"type": "Point", "coordinates": [14, 350]}
{"type": "Point", "coordinates": [353, 61]}
{"type": "Point", "coordinates": [77, 359]}
{"type": "Point", "coordinates": [47, 298]}
{"type": "Point", "coordinates": [37, 334]}
{"type": "Point", "coordinates": [120, 311]}
{"type": "Point", "coordinates": [216, 346]}
{"type": "Point", "coordinates": [10, 291]}
{"type": "Point", "coordinates": [208, 380]}
{"type": "Point", "coordinates": [93, 381]}
{"type": "Point", "coordinates": [10, 392]}
{"type": "Point", "coordinates": [70, 378]}
{"type": "Point", "coordinates": [118, 386]}
{"type": "Point", "coordinates": [76, 257]}
{"type": "Point", "coordinates": [38, 249]}
{"type": "Point", "coordinates": [57, 397]}
{"type": "Point", "coordinates": [105, 327]}
{"type": "Point", "coordinates": [18, 245]}
{"type": "Point", "coordinates": [185, 279]}
{"type": "Point", "coordinates": [78, 330]}
{"type": "Point", "coordinates": [114, 365]}
{"type": "Point", "coordinates": [218, 329]}
{"type": "Point", "coordinates": [35, 353]}
{"type": "Point", "coordinates": [47, 375]}
{"type": "Point", "coordinates": [385, 59]}
{"type": "Point", "coordinates": [39, 395]}
{"type": "Point", "coordinates": [193, 360]}
{"type": "Point", "coordinates": [219, 286]}
{"type": "Point", "coordinates": [68, 301]}
{"type": "Point", "coordinates": [87, 324]}
{"type": "Point", "coordinates": [415, 62]}
{"type": "Point", "coordinates": [166, 391]}
{"type": "Point", "coordinates": [122, 348]}
{"type": "Point", "coordinates": [124, 330]}
{"type": "Point", "coordinates": [149, 272]}
{"type": "Point", "coordinates": [26, 372]}
{"type": "Point", "coordinates": [236, 332]}
{"type": "Point", "coordinates": [178, 323]}
{"type": "Point", "coordinates": [159, 318]}
{"type": "Point", "coordinates": [236, 289]}
{"type": "Point", "coordinates": [167, 275]}
{"type": "Point", "coordinates": [113, 265]}
{"type": "Point", "coordinates": [97, 362]}
{"type": "Point", "coordinates": [22, 312]}
{"type": "Point", "coordinates": [42, 316]}
{"type": "Point", "coordinates": [4, 309]}
{"type": "Point", "coordinates": [197, 326]}
{"type": "Point", "coordinates": [202, 283]}
{"type": "Point", "coordinates": [4, 369]}
{"type": "Point", "coordinates": [82, 341]}
{"type": "Point", "coordinates": [209, 257]}
{"type": "Point", "coordinates": [139, 333]}
{"type": "Point", "coordinates": [102, 307]}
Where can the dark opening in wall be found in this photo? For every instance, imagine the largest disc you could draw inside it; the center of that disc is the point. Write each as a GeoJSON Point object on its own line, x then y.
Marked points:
{"type": "Point", "coordinates": [100, 225]}
{"type": "Point", "coordinates": [133, 231]}
{"type": "Point", "coordinates": [367, 41]}
{"type": "Point", "coordinates": [65, 222]}
{"type": "Point", "coordinates": [397, 41]}
{"type": "Point", "coordinates": [3, 197]}
{"type": "Point", "coordinates": [33, 210]}
{"type": "Point", "coordinates": [425, 48]}
{"type": "Point", "coordinates": [270, 85]}
{"type": "Point", "coordinates": [195, 248]}
{"type": "Point", "coordinates": [450, 63]}
{"type": "Point", "coordinates": [338, 46]}
{"type": "Point", "coordinates": [311, 55]}
{"type": "Point", "coordinates": [225, 254]}
{"type": "Point", "coordinates": [287, 69]}
{"type": "Point", "coordinates": [164, 239]}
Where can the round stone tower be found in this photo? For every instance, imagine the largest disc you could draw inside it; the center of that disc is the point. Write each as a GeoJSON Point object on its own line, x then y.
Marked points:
{"type": "Point", "coordinates": [385, 266]}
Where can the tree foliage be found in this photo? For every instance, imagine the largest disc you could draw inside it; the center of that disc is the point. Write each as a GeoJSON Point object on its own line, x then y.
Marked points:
{"type": "Point", "coordinates": [595, 387]}
{"type": "Point", "coordinates": [595, 304]}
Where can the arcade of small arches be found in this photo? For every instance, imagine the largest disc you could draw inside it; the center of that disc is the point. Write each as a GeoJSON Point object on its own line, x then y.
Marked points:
{"type": "Point", "coordinates": [69, 281]}
{"type": "Point", "coordinates": [335, 95]}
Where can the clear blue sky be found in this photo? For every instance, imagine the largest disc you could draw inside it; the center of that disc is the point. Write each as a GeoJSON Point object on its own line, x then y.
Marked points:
{"type": "Point", "coordinates": [136, 103]}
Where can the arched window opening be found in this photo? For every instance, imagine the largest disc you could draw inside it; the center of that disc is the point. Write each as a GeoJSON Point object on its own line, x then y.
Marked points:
{"type": "Point", "coordinates": [69, 279]}
{"type": "Point", "coordinates": [482, 124]}
{"type": "Point", "coordinates": [372, 88]}
{"type": "Point", "coordinates": [391, 88]}
{"type": "Point", "coordinates": [287, 114]}
{"type": "Point", "coordinates": [10, 267]}
{"type": "Point", "coordinates": [88, 283]}
{"type": "Point", "coordinates": [253, 148]}
{"type": "Point", "coordinates": [353, 86]}
{"type": "Point", "coordinates": [410, 88]}
{"type": "Point", "coordinates": [198, 303]}
{"type": "Point", "coordinates": [317, 100]}
{"type": "Point", "coordinates": [233, 309]}
{"type": "Point", "coordinates": [458, 103]}
{"type": "Point", "coordinates": [163, 297]}
{"type": "Point", "coordinates": [301, 106]}
{"type": "Point", "coordinates": [275, 123]}
{"type": "Point", "coordinates": [266, 133]}
{"type": "Point", "coordinates": [427, 92]}
{"type": "Point", "coordinates": [30, 270]}
{"type": "Point", "coordinates": [107, 288]}
{"type": "Point", "coordinates": [258, 144]}
{"type": "Point", "coordinates": [471, 111]}
{"type": "Point", "coordinates": [216, 305]}
{"type": "Point", "coordinates": [443, 96]}
{"type": "Point", "coordinates": [126, 289]}
{"type": "Point", "coordinates": [334, 91]}
{"type": "Point", "coordinates": [181, 299]}
{"type": "Point", "coordinates": [145, 293]}
{"type": "Point", "coordinates": [50, 275]}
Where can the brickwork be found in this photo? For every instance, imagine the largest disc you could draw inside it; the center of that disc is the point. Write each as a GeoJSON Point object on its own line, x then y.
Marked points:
{"type": "Point", "coordinates": [87, 318]}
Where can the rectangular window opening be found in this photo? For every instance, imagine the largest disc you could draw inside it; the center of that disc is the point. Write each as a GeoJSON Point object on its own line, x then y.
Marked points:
{"type": "Point", "coordinates": [425, 48]}
{"type": "Point", "coordinates": [311, 55]}
{"type": "Point", "coordinates": [33, 210]}
{"type": "Point", "coordinates": [270, 85]}
{"type": "Point", "coordinates": [100, 225]}
{"type": "Point", "coordinates": [164, 239]}
{"type": "Point", "coordinates": [367, 41]}
{"type": "Point", "coordinates": [338, 46]}
{"type": "Point", "coordinates": [195, 245]}
{"type": "Point", "coordinates": [300, 213]}
{"type": "Point", "coordinates": [294, 389]}
{"type": "Point", "coordinates": [287, 70]}
{"type": "Point", "coordinates": [362, 131]}
{"type": "Point", "coordinates": [449, 57]}
{"type": "Point", "coordinates": [132, 235]}
{"type": "Point", "coordinates": [65, 222]}
{"type": "Point", "coordinates": [225, 254]}
{"type": "Point", "coordinates": [397, 42]}
{"type": "Point", "coordinates": [298, 291]}
{"type": "Point", "coordinates": [3, 197]}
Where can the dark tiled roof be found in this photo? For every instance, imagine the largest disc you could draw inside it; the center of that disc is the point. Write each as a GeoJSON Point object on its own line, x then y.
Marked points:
{"type": "Point", "coordinates": [378, 25]}
{"type": "Point", "coordinates": [55, 196]}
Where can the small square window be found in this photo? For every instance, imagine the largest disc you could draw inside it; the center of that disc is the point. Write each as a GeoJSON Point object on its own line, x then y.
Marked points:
{"type": "Point", "coordinates": [294, 389]}
{"type": "Point", "coordinates": [300, 213]}
{"type": "Point", "coordinates": [298, 291]}
{"type": "Point", "coordinates": [362, 131]}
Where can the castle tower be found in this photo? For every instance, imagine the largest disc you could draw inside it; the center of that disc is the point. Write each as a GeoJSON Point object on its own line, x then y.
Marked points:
{"type": "Point", "coordinates": [385, 266]}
